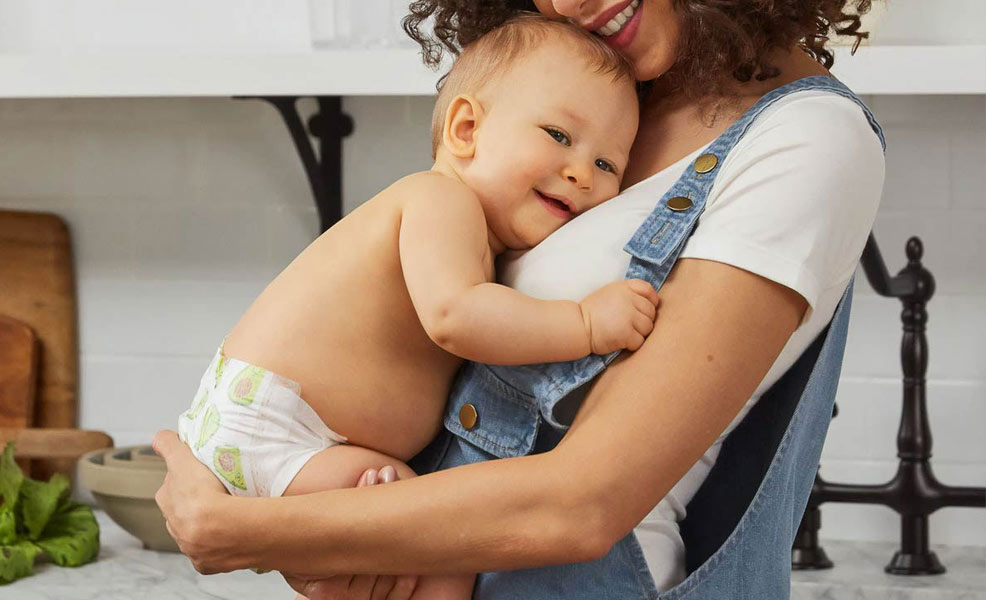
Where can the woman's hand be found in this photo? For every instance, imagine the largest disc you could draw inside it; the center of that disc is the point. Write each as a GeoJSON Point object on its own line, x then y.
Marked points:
{"type": "Point", "coordinates": [358, 587]}
{"type": "Point", "coordinates": [191, 498]}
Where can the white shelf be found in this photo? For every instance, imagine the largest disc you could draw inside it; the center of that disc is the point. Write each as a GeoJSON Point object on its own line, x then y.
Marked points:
{"type": "Point", "coordinates": [327, 73]}
{"type": "Point", "coordinates": [874, 70]}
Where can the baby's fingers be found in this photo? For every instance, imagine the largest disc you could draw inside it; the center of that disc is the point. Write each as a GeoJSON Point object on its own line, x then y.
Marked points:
{"type": "Point", "coordinates": [382, 587]}
{"type": "Point", "coordinates": [642, 288]}
{"type": "Point", "coordinates": [403, 587]}
{"type": "Point", "coordinates": [642, 324]}
{"type": "Point", "coordinates": [636, 340]}
{"type": "Point", "coordinates": [644, 307]}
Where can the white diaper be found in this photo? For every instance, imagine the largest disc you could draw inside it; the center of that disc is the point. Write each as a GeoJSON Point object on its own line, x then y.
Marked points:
{"type": "Point", "coordinates": [251, 427]}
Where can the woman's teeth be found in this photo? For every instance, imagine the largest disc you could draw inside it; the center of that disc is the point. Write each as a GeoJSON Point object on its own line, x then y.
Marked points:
{"type": "Point", "coordinates": [616, 23]}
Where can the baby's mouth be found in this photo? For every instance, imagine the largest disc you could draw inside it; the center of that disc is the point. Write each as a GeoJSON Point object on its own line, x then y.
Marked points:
{"type": "Point", "coordinates": [556, 204]}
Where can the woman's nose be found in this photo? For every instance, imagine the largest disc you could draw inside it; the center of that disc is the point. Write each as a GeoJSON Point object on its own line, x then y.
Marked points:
{"type": "Point", "coordinates": [573, 9]}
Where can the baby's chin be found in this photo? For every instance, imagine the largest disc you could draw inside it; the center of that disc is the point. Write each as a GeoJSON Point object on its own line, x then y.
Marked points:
{"type": "Point", "coordinates": [513, 254]}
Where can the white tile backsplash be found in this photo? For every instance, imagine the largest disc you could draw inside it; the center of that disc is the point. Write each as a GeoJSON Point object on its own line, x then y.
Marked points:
{"type": "Point", "coordinates": [967, 155]}
{"type": "Point", "coordinates": [181, 211]}
{"type": "Point", "coordinates": [202, 243]}
{"type": "Point", "coordinates": [144, 393]}
{"type": "Point", "coordinates": [954, 246]}
{"type": "Point", "coordinates": [917, 170]}
{"type": "Point", "coordinates": [116, 161]}
{"type": "Point", "coordinates": [243, 156]}
{"type": "Point", "coordinates": [139, 319]}
{"type": "Point", "coordinates": [869, 416]}
{"type": "Point", "coordinates": [875, 328]}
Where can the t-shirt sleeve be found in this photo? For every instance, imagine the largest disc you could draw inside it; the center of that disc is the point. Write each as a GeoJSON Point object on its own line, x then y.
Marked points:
{"type": "Point", "coordinates": [795, 199]}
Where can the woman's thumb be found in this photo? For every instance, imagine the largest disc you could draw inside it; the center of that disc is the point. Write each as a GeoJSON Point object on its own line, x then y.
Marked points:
{"type": "Point", "coordinates": [164, 444]}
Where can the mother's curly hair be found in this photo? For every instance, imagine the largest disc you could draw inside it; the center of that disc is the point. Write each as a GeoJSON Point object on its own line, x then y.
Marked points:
{"type": "Point", "coordinates": [717, 36]}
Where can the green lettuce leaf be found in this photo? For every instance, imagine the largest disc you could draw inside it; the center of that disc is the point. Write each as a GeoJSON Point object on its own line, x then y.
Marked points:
{"type": "Point", "coordinates": [72, 536]}
{"type": "Point", "coordinates": [10, 485]}
{"type": "Point", "coordinates": [40, 500]}
{"type": "Point", "coordinates": [17, 560]}
{"type": "Point", "coordinates": [8, 526]}
{"type": "Point", "coordinates": [10, 477]}
{"type": "Point", "coordinates": [33, 510]}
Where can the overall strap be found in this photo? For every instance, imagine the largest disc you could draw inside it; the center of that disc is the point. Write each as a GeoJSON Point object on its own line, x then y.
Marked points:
{"type": "Point", "coordinates": [656, 244]}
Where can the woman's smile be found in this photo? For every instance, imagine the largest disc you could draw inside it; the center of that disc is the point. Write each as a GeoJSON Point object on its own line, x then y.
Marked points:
{"type": "Point", "coordinates": [619, 28]}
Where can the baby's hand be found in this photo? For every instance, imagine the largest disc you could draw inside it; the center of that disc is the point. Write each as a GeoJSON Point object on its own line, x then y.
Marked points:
{"type": "Point", "coordinates": [619, 315]}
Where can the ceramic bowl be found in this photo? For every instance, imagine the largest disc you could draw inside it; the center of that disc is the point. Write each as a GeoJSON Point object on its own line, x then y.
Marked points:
{"type": "Point", "coordinates": [123, 481]}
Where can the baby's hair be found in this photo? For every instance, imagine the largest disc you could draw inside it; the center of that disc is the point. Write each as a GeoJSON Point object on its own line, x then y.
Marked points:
{"type": "Point", "coordinates": [486, 58]}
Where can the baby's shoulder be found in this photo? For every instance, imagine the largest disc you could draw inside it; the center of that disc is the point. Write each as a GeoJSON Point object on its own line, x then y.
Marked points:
{"type": "Point", "coordinates": [430, 184]}
{"type": "Point", "coordinates": [437, 194]}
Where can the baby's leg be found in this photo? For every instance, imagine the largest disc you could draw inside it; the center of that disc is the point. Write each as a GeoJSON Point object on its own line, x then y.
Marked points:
{"type": "Point", "coordinates": [341, 467]}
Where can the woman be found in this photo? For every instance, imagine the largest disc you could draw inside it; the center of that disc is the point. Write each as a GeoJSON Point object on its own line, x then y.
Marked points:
{"type": "Point", "coordinates": [785, 164]}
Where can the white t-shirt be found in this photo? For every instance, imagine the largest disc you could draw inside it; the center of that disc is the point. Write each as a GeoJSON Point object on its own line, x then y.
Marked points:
{"type": "Point", "coordinates": [793, 202]}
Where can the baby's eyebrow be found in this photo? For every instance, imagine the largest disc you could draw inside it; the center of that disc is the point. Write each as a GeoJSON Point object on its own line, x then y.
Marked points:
{"type": "Point", "coordinates": [579, 119]}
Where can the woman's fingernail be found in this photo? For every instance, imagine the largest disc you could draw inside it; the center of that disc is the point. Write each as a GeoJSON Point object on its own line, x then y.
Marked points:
{"type": "Point", "coordinates": [371, 477]}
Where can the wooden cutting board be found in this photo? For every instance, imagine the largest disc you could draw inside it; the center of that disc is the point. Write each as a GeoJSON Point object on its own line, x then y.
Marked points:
{"type": "Point", "coordinates": [37, 286]}
{"type": "Point", "coordinates": [18, 377]}
{"type": "Point", "coordinates": [18, 373]}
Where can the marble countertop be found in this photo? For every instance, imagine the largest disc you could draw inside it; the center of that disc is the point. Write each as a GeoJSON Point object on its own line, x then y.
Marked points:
{"type": "Point", "coordinates": [125, 571]}
{"type": "Point", "coordinates": [858, 575]}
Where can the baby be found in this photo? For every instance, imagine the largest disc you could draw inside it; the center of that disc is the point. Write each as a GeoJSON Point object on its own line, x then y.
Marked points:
{"type": "Point", "coordinates": [345, 360]}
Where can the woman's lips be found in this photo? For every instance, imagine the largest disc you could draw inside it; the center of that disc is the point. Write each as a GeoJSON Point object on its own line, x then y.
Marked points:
{"type": "Point", "coordinates": [623, 38]}
{"type": "Point", "coordinates": [606, 16]}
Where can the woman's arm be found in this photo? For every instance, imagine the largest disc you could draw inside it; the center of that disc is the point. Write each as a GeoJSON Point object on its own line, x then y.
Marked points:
{"type": "Point", "coordinates": [645, 422]}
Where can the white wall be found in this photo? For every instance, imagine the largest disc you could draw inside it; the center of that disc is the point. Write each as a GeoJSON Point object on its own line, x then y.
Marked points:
{"type": "Point", "coordinates": [183, 209]}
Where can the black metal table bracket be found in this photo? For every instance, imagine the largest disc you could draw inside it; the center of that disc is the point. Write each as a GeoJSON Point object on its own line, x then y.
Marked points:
{"type": "Point", "coordinates": [914, 491]}
{"type": "Point", "coordinates": [330, 125]}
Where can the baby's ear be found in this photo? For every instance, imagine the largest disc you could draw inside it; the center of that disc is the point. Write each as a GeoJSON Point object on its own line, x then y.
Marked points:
{"type": "Point", "coordinates": [462, 119]}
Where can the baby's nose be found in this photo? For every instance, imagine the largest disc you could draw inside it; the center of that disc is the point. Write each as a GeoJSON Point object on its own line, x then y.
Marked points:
{"type": "Point", "coordinates": [580, 176]}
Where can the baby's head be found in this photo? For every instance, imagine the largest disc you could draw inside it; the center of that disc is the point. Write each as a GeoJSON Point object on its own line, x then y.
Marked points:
{"type": "Point", "coordinates": [537, 117]}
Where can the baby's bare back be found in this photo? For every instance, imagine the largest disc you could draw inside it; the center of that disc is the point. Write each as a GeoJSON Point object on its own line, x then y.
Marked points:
{"type": "Point", "coordinates": [339, 321]}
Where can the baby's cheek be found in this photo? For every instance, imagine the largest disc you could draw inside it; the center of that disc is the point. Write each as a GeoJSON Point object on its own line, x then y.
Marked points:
{"type": "Point", "coordinates": [606, 192]}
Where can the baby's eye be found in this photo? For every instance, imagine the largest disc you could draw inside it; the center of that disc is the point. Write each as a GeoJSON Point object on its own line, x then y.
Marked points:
{"type": "Point", "coordinates": [605, 165]}
{"type": "Point", "coordinates": [559, 136]}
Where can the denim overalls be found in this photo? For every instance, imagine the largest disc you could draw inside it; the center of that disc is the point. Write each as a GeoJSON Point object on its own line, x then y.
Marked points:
{"type": "Point", "coordinates": [741, 523]}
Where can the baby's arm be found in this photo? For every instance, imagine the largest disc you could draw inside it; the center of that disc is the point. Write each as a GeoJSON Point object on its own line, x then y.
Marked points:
{"type": "Point", "coordinates": [445, 254]}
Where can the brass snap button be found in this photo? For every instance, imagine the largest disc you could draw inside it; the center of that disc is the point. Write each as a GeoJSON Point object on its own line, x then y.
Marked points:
{"type": "Point", "coordinates": [705, 163]}
{"type": "Point", "coordinates": [679, 203]}
{"type": "Point", "coordinates": [468, 416]}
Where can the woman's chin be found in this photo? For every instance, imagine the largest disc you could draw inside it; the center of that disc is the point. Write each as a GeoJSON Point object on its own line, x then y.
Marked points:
{"type": "Point", "coordinates": [650, 65]}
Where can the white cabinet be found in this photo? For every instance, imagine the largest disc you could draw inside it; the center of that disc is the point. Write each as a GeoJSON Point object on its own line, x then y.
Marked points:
{"type": "Point", "coordinates": [173, 26]}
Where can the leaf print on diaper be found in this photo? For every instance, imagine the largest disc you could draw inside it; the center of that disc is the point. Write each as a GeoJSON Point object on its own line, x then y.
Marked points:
{"type": "Point", "coordinates": [193, 413]}
{"type": "Point", "coordinates": [218, 375]}
{"type": "Point", "coordinates": [227, 463]}
{"type": "Point", "coordinates": [244, 387]}
{"type": "Point", "coordinates": [210, 425]}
